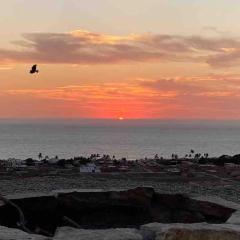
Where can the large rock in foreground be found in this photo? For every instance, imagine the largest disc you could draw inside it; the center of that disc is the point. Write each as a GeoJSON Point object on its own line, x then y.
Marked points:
{"type": "Point", "coordinates": [200, 231]}
{"type": "Point", "coordinates": [107, 209]}
{"type": "Point", "coordinates": [98, 209]}
{"type": "Point", "coordinates": [67, 233]}
{"type": "Point", "coordinates": [179, 208]}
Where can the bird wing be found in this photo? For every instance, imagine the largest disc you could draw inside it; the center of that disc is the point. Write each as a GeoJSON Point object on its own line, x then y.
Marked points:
{"type": "Point", "coordinates": [34, 67]}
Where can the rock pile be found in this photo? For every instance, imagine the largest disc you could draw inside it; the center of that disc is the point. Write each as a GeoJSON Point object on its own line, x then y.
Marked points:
{"type": "Point", "coordinates": [84, 214]}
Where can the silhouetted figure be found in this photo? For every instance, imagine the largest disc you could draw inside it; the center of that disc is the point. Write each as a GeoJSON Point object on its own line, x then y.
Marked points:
{"type": "Point", "coordinates": [34, 69]}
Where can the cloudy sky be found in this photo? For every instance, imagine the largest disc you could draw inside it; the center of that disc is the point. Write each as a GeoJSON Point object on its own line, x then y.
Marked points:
{"type": "Point", "coordinates": [166, 59]}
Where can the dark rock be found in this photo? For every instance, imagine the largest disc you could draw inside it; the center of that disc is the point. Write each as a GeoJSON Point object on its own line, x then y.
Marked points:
{"type": "Point", "coordinates": [108, 209]}
{"type": "Point", "coordinates": [213, 213]}
{"type": "Point", "coordinates": [180, 208]}
{"type": "Point", "coordinates": [184, 216]}
{"type": "Point", "coordinates": [40, 211]}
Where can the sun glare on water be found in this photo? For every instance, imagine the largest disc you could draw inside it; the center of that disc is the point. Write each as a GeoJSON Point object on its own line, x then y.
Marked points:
{"type": "Point", "coordinates": [120, 118]}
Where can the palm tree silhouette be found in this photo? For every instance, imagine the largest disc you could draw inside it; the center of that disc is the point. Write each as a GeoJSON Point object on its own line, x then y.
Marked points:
{"type": "Point", "coordinates": [40, 156]}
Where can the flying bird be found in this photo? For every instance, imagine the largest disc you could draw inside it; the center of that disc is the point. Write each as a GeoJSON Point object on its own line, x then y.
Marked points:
{"type": "Point", "coordinates": [34, 69]}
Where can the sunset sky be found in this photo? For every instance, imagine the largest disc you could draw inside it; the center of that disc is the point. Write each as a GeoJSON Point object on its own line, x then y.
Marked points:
{"type": "Point", "coordinates": [166, 59]}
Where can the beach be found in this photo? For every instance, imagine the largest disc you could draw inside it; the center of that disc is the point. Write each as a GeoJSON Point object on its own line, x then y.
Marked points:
{"type": "Point", "coordinates": [195, 187]}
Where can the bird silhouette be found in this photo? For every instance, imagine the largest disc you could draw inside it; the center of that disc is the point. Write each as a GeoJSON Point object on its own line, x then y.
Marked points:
{"type": "Point", "coordinates": [34, 69]}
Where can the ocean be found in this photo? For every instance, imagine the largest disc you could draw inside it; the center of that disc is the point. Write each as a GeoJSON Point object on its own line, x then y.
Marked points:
{"type": "Point", "coordinates": [133, 139]}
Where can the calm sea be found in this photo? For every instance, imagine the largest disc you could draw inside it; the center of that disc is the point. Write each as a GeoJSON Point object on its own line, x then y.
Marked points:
{"type": "Point", "coordinates": [128, 138]}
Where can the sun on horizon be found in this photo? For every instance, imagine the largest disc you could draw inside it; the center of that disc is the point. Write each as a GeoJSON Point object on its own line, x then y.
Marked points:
{"type": "Point", "coordinates": [182, 63]}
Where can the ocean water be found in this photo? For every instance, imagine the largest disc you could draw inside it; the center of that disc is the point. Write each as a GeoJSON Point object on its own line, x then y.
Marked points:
{"type": "Point", "coordinates": [133, 139]}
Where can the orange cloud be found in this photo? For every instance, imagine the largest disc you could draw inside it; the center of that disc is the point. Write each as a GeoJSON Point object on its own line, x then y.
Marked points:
{"type": "Point", "coordinates": [84, 47]}
{"type": "Point", "coordinates": [211, 96]}
{"type": "Point", "coordinates": [98, 38]}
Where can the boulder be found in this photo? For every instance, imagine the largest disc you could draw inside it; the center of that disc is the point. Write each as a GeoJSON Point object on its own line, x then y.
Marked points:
{"type": "Point", "coordinates": [234, 218]}
{"type": "Point", "coordinates": [107, 209]}
{"type": "Point", "coordinates": [67, 233]}
{"type": "Point", "coordinates": [40, 211]}
{"type": "Point", "coordinates": [200, 231]}
{"type": "Point", "coordinates": [99, 209]}
{"type": "Point", "coordinates": [179, 208]}
{"type": "Point", "coordinates": [219, 201]}
{"type": "Point", "coordinates": [15, 234]}
{"type": "Point", "coordinates": [140, 196]}
{"type": "Point", "coordinates": [212, 212]}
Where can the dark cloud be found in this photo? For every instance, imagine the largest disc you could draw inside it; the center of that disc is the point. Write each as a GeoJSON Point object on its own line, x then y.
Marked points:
{"type": "Point", "coordinates": [82, 47]}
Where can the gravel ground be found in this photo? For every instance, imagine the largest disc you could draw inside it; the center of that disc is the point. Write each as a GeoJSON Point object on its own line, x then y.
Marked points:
{"type": "Point", "coordinates": [226, 189]}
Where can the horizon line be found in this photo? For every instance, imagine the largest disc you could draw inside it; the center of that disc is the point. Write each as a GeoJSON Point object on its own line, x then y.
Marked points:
{"type": "Point", "coordinates": [116, 119]}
